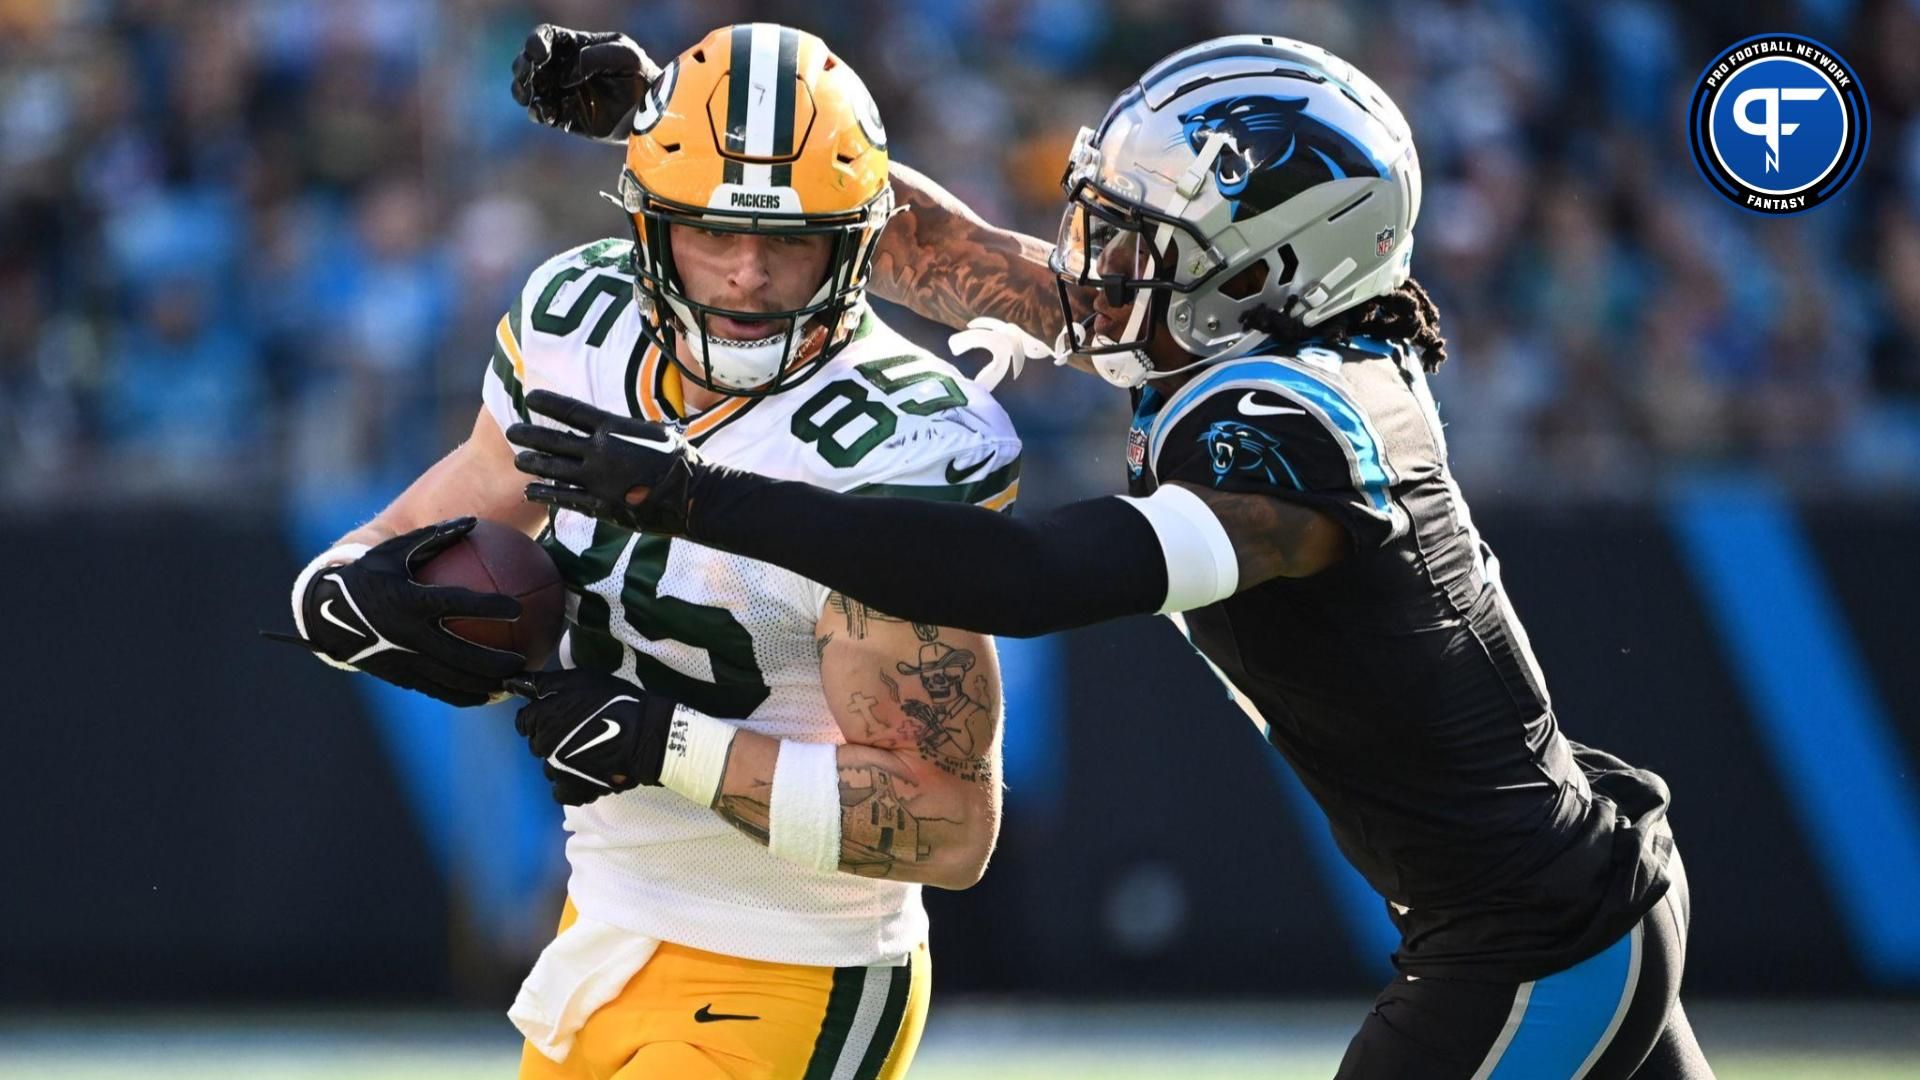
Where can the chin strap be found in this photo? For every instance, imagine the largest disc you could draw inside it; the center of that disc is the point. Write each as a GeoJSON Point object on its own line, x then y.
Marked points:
{"type": "Point", "coordinates": [1133, 369]}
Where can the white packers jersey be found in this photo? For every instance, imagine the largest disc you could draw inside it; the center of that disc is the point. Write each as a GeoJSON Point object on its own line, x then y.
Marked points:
{"type": "Point", "coordinates": [727, 635]}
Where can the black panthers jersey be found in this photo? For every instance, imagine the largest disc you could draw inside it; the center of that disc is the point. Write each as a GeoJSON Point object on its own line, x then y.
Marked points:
{"type": "Point", "coordinates": [1399, 683]}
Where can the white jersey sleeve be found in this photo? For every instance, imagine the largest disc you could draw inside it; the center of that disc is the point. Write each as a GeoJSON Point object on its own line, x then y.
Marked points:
{"type": "Point", "coordinates": [564, 332]}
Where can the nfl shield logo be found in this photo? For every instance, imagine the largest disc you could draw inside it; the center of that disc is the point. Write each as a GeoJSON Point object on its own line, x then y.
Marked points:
{"type": "Point", "coordinates": [1136, 450]}
{"type": "Point", "coordinates": [1383, 241]}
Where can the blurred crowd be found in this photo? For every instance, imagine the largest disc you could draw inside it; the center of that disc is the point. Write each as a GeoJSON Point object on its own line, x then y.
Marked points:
{"type": "Point", "coordinates": [247, 245]}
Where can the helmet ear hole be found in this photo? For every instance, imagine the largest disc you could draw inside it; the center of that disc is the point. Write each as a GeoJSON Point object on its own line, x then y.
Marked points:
{"type": "Point", "coordinates": [1248, 282]}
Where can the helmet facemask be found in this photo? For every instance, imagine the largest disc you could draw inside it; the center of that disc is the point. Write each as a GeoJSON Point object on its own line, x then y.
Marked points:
{"type": "Point", "coordinates": [813, 332]}
{"type": "Point", "coordinates": [1125, 260]}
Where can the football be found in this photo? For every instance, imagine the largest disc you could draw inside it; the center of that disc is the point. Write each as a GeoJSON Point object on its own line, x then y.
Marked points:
{"type": "Point", "coordinates": [496, 558]}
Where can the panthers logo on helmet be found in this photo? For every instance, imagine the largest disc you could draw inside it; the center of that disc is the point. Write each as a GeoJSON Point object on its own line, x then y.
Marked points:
{"type": "Point", "coordinates": [1240, 448]}
{"type": "Point", "coordinates": [1274, 150]}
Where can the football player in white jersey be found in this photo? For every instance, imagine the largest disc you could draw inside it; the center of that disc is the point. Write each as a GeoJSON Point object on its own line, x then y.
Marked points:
{"type": "Point", "coordinates": [760, 774]}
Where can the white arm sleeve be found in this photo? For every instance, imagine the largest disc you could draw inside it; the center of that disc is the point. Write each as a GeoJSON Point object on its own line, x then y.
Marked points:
{"type": "Point", "coordinates": [1201, 566]}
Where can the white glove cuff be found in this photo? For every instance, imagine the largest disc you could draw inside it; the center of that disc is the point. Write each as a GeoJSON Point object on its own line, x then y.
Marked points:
{"type": "Point", "coordinates": [1009, 345]}
{"type": "Point", "coordinates": [804, 825]}
{"type": "Point", "coordinates": [1201, 565]}
{"type": "Point", "coordinates": [697, 746]}
{"type": "Point", "coordinates": [338, 555]}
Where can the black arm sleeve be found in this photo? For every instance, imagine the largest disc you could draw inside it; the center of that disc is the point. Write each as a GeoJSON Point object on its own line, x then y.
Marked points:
{"type": "Point", "coordinates": [949, 564]}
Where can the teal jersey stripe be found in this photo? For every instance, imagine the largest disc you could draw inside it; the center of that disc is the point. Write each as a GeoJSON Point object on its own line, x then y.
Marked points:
{"type": "Point", "coordinates": [1568, 1015]}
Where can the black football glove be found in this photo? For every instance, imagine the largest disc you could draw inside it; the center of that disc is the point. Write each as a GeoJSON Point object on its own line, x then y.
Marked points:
{"type": "Point", "coordinates": [371, 615]}
{"type": "Point", "coordinates": [580, 82]}
{"type": "Point", "coordinates": [596, 733]}
{"type": "Point", "coordinates": [636, 474]}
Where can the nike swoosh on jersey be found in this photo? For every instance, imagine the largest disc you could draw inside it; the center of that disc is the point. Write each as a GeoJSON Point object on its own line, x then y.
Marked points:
{"type": "Point", "coordinates": [960, 476]}
{"type": "Point", "coordinates": [1253, 408]}
{"type": "Point", "coordinates": [706, 1015]}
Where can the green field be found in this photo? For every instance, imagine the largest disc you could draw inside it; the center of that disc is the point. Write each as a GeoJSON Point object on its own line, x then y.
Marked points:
{"type": "Point", "coordinates": [1002, 1040]}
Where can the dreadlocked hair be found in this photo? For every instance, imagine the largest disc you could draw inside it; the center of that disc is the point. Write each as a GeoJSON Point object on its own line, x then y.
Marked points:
{"type": "Point", "coordinates": [1405, 314]}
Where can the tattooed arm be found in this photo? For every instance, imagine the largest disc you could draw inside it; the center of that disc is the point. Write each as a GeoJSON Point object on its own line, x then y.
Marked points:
{"type": "Point", "coordinates": [942, 261]}
{"type": "Point", "coordinates": [919, 787]}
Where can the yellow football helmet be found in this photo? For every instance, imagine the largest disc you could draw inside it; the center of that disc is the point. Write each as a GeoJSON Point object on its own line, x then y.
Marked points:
{"type": "Point", "coordinates": [757, 128]}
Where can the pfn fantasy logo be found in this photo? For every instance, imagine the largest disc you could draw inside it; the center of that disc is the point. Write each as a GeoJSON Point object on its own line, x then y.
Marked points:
{"type": "Point", "coordinates": [1778, 123]}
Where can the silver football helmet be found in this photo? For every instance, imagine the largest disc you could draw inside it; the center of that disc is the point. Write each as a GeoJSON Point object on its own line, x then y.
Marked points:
{"type": "Point", "coordinates": [1244, 171]}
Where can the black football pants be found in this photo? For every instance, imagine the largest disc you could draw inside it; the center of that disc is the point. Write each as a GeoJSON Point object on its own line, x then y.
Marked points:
{"type": "Point", "coordinates": [1615, 1016]}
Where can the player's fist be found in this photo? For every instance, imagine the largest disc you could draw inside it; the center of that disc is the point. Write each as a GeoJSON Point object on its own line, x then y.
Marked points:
{"type": "Point", "coordinates": [632, 473]}
{"type": "Point", "coordinates": [595, 733]}
{"type": "Point", "coordinates": [580, 82]}
{"type": "Point", "coordinates": [363, 611]}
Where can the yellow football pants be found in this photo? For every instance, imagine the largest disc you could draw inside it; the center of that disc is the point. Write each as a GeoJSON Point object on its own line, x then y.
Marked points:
{"type": "Point", "coordinates": [694, 1015]}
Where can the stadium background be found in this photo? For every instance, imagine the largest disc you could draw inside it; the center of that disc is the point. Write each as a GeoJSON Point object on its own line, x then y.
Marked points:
{"type": "Point", "coordinates": [251, 254]}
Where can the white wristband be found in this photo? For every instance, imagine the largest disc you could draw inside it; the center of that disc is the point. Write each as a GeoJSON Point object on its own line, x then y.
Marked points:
{"type": "Point", "coordinates": [337, 555]}
{"type": "Point", "coordinates": [804, 824]}
{"type": "Point", "coordinates": [697, 746]}
{"type": "Point", "coordinates": [1201, 565]}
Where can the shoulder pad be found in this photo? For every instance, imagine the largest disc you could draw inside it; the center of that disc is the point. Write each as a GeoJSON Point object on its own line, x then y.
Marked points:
{"type": "Point", "coordinates": [1281, 426]}
{"type": "Point", "coordinates": [575, 305]}
{"type": "Point", "coordinates": [1305, 386]}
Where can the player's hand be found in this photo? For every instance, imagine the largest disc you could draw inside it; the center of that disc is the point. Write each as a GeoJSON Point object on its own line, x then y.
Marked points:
{"type": "Point", "coordinates": [596, 733]}
{"type": "Point", "coordinates": [371, 615]}
{"type": "Point", "coordinates": [581, 82]}
{"type": "Point", "coordinates": [632, 473]}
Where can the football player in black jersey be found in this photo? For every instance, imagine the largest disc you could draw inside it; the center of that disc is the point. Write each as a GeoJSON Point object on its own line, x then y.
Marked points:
{"type": "Point", "coordinates": [1235, 252]}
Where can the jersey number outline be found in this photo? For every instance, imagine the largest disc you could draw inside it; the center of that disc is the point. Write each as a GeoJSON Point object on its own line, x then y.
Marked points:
{"type": "Point", "coordinates": [738, 686]}
{"type": "Point", "coordinates": [845, 401]}
{"type": "Point", "coordinates": [560, 325]}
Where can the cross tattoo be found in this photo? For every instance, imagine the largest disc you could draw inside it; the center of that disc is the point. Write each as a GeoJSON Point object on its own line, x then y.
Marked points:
{"type": "Point", "coordinates": [862, 705]}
